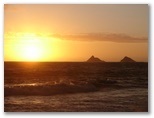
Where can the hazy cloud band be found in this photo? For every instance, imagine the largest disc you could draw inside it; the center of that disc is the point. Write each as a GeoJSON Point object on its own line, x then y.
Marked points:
{"type": "Point", "coordinates": [101, 37]}
{"type": "Point", "coordinates": [113, 37]}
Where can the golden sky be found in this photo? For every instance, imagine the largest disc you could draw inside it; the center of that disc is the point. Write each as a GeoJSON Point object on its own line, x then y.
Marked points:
{"type": "Point", "coordinates": [75, 32]}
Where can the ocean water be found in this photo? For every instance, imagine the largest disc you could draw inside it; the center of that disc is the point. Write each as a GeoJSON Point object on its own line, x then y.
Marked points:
{"type": "Point", "coordinates": [75, 87]}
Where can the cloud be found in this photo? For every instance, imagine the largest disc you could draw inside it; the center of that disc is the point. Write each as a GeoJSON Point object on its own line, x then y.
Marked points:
{"type": "Point", "coordinates": [112, 37]}
{"type": "Point", "coordinates": [100, 37]}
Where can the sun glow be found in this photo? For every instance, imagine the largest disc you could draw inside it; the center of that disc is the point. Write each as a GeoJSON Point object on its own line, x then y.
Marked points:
{"type": "Point", "coordinates": [31, 47]}
{"type": "Point", "coordinates": [32, 53]}
{"type": "Point", "coordinates": [26, 48]}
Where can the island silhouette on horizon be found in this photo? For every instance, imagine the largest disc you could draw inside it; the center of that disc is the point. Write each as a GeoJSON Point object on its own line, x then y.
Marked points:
{"type": "Point", "coordinates": [96, 59]}
{"type": "Point", "coordinates": [127, 59]}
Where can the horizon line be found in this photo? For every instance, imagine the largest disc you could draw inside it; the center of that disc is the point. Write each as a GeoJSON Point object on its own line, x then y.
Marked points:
{"type": "Point", "coordinates": [80, 61]}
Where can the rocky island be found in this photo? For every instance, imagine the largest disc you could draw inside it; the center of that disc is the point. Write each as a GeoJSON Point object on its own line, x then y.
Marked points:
{"type": "Point", "coordinates": [127, 59]}
{"type": "Point", "coordinates": [94, 59]}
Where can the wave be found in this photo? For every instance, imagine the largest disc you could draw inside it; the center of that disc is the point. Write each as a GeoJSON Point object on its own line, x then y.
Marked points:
{"type": "Point", "coordinates": [46, 89]}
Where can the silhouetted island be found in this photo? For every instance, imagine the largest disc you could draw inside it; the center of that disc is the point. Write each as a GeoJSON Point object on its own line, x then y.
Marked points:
{"type": "Point", "coordinates": [94, 59]}
{"type": "Point", "coordinates": [127, 59]}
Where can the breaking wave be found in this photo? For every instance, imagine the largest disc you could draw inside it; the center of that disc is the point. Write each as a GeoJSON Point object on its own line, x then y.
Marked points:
{"type": "Point", "coordinates": [47, 89]}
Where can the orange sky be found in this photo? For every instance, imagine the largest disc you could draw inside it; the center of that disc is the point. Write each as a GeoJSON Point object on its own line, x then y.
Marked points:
{"type": "Point", "coordinates": [75, 32]}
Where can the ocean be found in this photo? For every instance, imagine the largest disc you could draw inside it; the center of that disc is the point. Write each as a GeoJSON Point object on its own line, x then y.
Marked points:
{"type": "Point", "coordinates": [75, 87]}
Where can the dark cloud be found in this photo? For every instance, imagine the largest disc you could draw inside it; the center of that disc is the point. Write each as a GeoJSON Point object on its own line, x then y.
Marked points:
{"type": "Point", "coordinates": [100, 37]}
{"type": "Point", "coordinates": [112, 37]}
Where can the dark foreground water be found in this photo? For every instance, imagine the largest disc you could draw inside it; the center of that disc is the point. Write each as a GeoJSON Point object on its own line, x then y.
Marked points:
{"type": "Point", "coordinates": [75, 86]}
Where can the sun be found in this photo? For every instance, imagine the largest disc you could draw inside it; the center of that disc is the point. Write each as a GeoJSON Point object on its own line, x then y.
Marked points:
{"type": "Point", "coordinates": [32, 53]}
{"type": "Point", "coordinates": [31, 49]}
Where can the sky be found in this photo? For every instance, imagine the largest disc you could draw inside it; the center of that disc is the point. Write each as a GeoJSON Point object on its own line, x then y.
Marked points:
{"type": "Point", "coordinates": [66, 32]}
